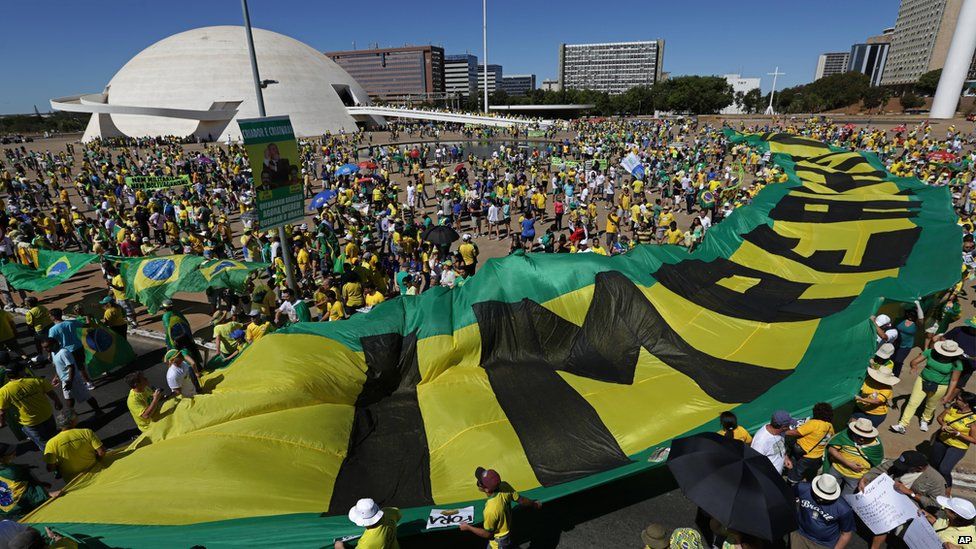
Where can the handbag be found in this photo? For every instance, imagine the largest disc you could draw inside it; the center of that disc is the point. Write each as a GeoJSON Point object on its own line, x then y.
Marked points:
{"type": "Point", "coordinates": [929, 386]}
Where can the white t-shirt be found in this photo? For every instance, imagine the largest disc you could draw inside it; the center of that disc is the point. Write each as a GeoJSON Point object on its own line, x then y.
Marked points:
{"type": "Point", "coordinates": [178, 377]}
{"type": "Point", "coordinates": [770, 445]}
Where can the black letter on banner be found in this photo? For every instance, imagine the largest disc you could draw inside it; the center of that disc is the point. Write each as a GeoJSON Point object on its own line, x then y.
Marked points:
{"type": "Point", "coordinates": [772, 299]}
{"type": "Point", "coordinates": [524, 344]}
{"type": "Point", "coordinates": [804, 209]}
{"type": "Point", "coordinates": [387, 457]}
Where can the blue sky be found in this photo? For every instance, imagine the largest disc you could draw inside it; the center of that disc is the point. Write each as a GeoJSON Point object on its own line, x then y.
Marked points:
{"type": "Point", "coordinates": [56, 48]}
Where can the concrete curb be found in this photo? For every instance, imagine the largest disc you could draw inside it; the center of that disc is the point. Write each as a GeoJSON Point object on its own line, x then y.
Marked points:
{"type": "Point", "coordinates": [138, 332]}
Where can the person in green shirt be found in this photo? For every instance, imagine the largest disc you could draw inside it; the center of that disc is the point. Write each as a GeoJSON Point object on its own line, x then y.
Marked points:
{"type": "Point", "coordinates": [20, 492]}
{"type": "Point", "coordinates": [498, 509]}
{"type": "Point", "coordinates": [939, 378]}
{"type": "Point", "coordinates": [380, 525]}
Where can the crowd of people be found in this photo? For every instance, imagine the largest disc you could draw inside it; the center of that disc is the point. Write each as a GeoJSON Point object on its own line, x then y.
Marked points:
{"type": "Point", "coordinates": [422, 209]}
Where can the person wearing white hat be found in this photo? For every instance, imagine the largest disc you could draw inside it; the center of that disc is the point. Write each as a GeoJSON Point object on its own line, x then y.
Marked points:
{"type": "Point", "coordinates": [939, 378]}
{"type": "Point", "coordinates": [957, 529]}
{"type": "Point", "coordinates": [876, 392]}
{"type": "Point", "coordinates": [380, 525]}
{"type": "Point", "coordinates": [852, 452]}
{"type": "Point", "coordinates": [882, 326]}
{"type": "Point", "coordinates": [823, 518]}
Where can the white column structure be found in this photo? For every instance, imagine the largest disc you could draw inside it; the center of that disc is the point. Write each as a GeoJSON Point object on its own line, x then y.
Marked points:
{"type": "Point", "coordinates": [957, 63]}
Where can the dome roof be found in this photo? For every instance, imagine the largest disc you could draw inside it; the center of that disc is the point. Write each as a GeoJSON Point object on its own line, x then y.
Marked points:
{"type": "Point", "coordinates": [196, 68]}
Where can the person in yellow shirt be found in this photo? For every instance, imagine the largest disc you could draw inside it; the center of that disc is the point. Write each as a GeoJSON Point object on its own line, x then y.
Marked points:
{"type": "Point", "coordinates": [38, 318]}
{"type": "Point", "coordinates": [957, 529]}
{"type": "Point", "coordinates": [851, 453]}
{"type": "Point", "coordinates": [72, 451]}
{"type": "Point", "coordinates": [497, 527]}
{"type": "Point", "coordinates": [29, 395]}
{"type": "Point", "coordinates": [469, 254]}
{"type": "Point", "coordinates": [673, 235]}
{"type": "Point", "coordinates": [811, 442]}
{"type": "Point", "coordinates": [335, 309]}
{"type": "Point", "coordinates": [732, 429]}
{"type": "Point", "coordinates": [258, 327]}
{"type": "Point", "coordinates": [142, 403]}
{"type": "Point", "coordinates": [596, 248]}
{"type": "Point", "coordinates": [372, 296]}
{"type": "Point", "coordinates": [873, 399]}
{"type": "Point", "coordinates": [613, 227]}
{"type": "Point", "coordinates": [958, 432]}
{"type": "Point", "coordinates": [380, 525]}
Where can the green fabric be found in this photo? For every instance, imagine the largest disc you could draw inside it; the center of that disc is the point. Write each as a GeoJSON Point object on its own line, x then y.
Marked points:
{"type": "Point", "coordinates": [152, 280]}
{"type": "Point", "coordinates": [873, 453]}
{"type": "Point", "coordinates": [939, 372]}
{"type": "Point", "coordinates": [53, 268]}
{"type": "Point", "coordinates": [220, 273]}
{"type": "Point", "coordinates": [33, 495]}
{"type": "Point", "coordinates": [831, 369]}
{"type": "Point", "coordinates": [302, 312]}
{"type": "Point", "coordinates": [105, 350]}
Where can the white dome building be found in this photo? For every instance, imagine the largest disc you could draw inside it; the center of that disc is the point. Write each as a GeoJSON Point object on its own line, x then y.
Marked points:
{"type": "Point", "coordinates": [199, 82]}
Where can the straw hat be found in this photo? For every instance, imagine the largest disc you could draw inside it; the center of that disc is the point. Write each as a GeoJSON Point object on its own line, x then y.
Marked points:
{"type": "Point", "coordinates": [948, 347]}
{"type": "Point", "coordinates": [862, 427]}
{"type": "Point", "coordinates": [656, 536]}
{"type": "Point", "coordinates": [825, 487]}
{"type": "Point", "coordinates": [884, 375]}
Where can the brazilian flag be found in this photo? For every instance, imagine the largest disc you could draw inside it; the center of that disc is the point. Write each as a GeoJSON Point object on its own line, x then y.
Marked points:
{"type": "Point", "coordinates": [221, 273]}
{"type": "Point", "coordinates": [52, 268]}
{"type": "Point", "coordinates": [152, 280]}
{"type": "Point", "coordinates": [105, 350]}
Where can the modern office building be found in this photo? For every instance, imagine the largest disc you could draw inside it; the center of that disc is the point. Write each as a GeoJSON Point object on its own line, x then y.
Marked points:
{"type": "Point", "coordinates": [494, 77]}
{"type": "Point", "coordinates": [550, 84]}
{"type": "Point", "coordinates": [612, 68]}
{"type": "Point", "coordinates": [518, 84]}
{"type": "Point", "coordinates": [394, 74]}
{"type": "Point", "coordinates": [742, 85]}
{"type": "Point", "coordinates": [831, 63]}
{"type": "Point", "coordinates": [921, 40]}
{"type": "Point", "coordinates": [869, 60]}
{"type": "Point", "coordinates": [461, 75]}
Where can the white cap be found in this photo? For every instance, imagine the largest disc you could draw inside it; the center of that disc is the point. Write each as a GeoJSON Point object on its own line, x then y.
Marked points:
{"type": "Point", "coordinates": [585, 242]}
{"type": "Point", "coordinates": [885, 351]}
{"type": "Point", "coordinates": [881, 320]}
{"type": "Point", "coordinates": [466, 236]}
{"type": "Point", "coordinates": [365, 513]}
{"type": "Point", "coordinates": [962, 507]}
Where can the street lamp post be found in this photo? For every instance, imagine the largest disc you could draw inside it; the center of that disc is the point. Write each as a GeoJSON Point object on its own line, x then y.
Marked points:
{"type": "Point", "coordinates": [258, 91]}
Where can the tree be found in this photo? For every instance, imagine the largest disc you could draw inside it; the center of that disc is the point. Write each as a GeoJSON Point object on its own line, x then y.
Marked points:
{"type": "Point", "coordinates": [693, 94]}
{"type": "Point", "coordinates": [928, 82]}
{"type": "Point", "coordinates": [752, 101]}
{"type": "Point", "coordinates": [875, 97]}
{"type": "Point", "coordinates": [910, 101]}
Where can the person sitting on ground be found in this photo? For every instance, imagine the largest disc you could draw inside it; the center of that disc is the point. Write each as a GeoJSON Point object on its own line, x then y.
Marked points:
{"type": "Point", "coordinates": [852, 452]}
{"type": "Point", "coordinates": [380, 525]}
{"type": "Point", "coordinates": [498, 509]}
{"type": "Point", "coordinates": [732, 429]}
{"type": "Point", "coordinates": [143, 403]}
{"type": "Point", "coordinates": [21, 492]}
{"type": "Point", "coordinates": [72, 451]}
{"type": "Point", "coordinates": [824, 519]}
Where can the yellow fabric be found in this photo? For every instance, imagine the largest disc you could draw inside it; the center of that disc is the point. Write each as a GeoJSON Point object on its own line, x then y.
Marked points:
{"type": "Point", "coordinates": [816, 434]}
{"type": "Point", "coordinates": [29, 396]}
{"type": "Point", "coordinates": [224, 330]}
{"type": "Point", "coordinates": [138, 401]}
{"type": "Point", "coordinates": [38, 318]}
{"type": "Point", "coordinates": [955, 534]}
{"type": "Point", "coordinates": [956, 422]}
{"type": "Point", "coordinates": [855, 454]}
{"type": "Point", "coordinates": [498, 512]}
{"type": "Point", "coordinates": [383, 535]}
{"type": "Point", "coordinates": [256, 331]}
{"type": "Point", "coordinates": [118, 282]}
{"type": "Point", "coordinates": [114, 316]}
{"type": "Point", "coordinates": [467, 253]}
{"type": "Point", "coordinates": [72, 451]}
{"type": "Point", "coordinates": [6, 327]}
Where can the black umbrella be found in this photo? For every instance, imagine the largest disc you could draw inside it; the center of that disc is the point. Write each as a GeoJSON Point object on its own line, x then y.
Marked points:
{"type": "Point", "coordinates": [735, 484]}
{"type": "Point", "coordinates": [440, 235]}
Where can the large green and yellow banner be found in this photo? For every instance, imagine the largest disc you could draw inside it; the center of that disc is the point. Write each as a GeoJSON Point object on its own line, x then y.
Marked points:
{"type": "Point", "coordinates": [561, 371]}
{"type": "Point", "coordinates": [53, 267]}
{"type": "Point", "coordinates": [156, 181]}
{"type": "Point", "coordinates": [276, 167]}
